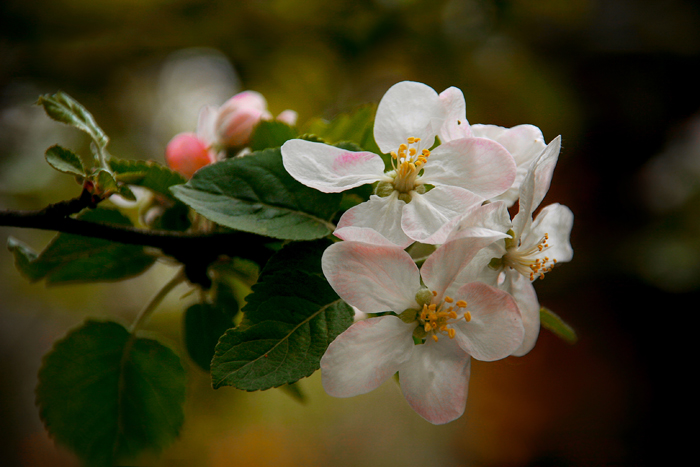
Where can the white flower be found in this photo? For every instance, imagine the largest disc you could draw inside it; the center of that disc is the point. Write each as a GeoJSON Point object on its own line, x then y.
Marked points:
{"type": "Point", "coordinates": [462, 172]}
{"type": "Point", "coordinates": [524, 142]}
{"type": "Point", "coordinates": [535, 246]}
{"type": "Point", "coordinates": [474, 320]}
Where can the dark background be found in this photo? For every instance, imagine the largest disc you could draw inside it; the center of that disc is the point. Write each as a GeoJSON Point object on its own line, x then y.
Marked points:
{"type": "Point", "coordinates": [617, 79]}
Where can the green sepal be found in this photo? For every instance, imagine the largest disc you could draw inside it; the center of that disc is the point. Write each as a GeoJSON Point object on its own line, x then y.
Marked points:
{"type": "Point", "coordinates": [551, 321]}
{"type": "Point", "coordinates": [109, 396]}
{"type": "Point", "coordinates": [63, 108]}
{"type": "Point", "coordinates": [64, 160]}
{"type": "Point", "coordinates": [256, 194]}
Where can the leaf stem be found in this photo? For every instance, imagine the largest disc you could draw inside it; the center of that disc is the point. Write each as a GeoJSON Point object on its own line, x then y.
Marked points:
{"type": "Point", "coordinates": [155, 301]}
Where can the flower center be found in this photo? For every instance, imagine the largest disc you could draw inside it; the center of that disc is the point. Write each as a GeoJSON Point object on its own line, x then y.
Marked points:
{"type": "Point", "coordinates": [435, 318]}
{"type": "Point", "coordinates": [406, 163]}
{"type": "Point", "coordinates": [530, 262]}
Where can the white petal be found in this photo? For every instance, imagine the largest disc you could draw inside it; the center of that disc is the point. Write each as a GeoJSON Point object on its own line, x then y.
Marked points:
{"type": "Point", "coordinates": [491, 216]}
{"type": "Point", "coordinates": [362, 234]}
{"type": "Point", "coordinates": [479, 165]}
{"type": "Point", "coordinates": [365, 355]}
{"type": "Point", "coordinates": [446, 263]}
{"type": "Point", "coordinates": [435, 381]}
{"type": "Point", "coordinates": [522, 291]}
{"type": "Point", "coordinates": [544, 170]}
{"type": "Point", "coordinates": [408, 109]}
{"type": "Point", "coordinates": [523, 142]}
{"type": "Point", "coordinates": [372, 278]}
{"type": "Point", "coordinates": [381, 214]}
{"type": "Point", "coordinates": [206, 124]}
{"type": "Point", "coordinates": [330, 169]}
{"type": "Point", "coordinates": [456, 125]}
{"type": "Point", "coordinates": [496, 327]}
{"type": "Point", "coordinates": [556, 220]}
{"type": "Point", "coordinates": [427, 214]}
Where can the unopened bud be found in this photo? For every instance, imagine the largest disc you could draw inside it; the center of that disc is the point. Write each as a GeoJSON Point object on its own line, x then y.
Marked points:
{"type": "Point", "coordinates": [424, 296]}
{"type": "Point", "coordinates": [186, 154]}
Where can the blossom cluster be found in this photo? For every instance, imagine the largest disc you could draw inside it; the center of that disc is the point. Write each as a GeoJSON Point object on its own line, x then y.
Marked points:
{"type": "Point", "coordinates": [449, 184]}
{"type": "Point", "coordinates": [220, 129]}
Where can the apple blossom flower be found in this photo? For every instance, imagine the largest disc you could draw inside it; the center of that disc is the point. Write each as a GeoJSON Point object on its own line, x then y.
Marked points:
{"type": "Point", "coordinates": [186, 153]}
{"type": "Point", "coordinates": [425, 188]}
{"type": "Point", "coordinates": [231, 125]}
{"type": "Point", "coordinates": [455, 323]}
{"type": "Point", "coordinates": [524, 142]}
{"type": "Point", "coordinates": [533, 249]}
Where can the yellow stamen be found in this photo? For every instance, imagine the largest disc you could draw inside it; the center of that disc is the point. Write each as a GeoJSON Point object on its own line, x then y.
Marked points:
{"type": "Point", "coordinates": [449, 299]}
{"type": "Point", "coordinates": [461, 304]}
{"type": "Point", "coordinates": [467, 316]}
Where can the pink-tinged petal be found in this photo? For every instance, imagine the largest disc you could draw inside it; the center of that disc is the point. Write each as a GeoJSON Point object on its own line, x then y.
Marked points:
{"type": "Point", "coordinates": [245, 99]}
{"type": "Point", "coordinates": [555, 220]}
{"type": "Point", "coordinates": [479, 165]}
{"type": "Point", "coordinates": [456, 125]}
{"type": "Point", "coordinates": [380, 214]}
{"type": "Point", "coordinates": [365, 355]}
{"type": "Point", "coordinates": [372, 278]}
{"type": "Point", "coordinates": [186, 154]}
{"type": "Point", "coordinates": [495, 329]}
{"type": "Point", "coordinates": [522, 291]}
{"type": "Point", "coordinates": [426, 215]}
{"type": "Point", "coordinates": [364, 235]}
{"type": "Point", "coordinates": [330, 169]}
{"type": "Point", "coordinates": [524, 142]}
{"type": "Point", "coordinates": [408, 109]}
{"type": "Point", "coordinates": [435, 381]}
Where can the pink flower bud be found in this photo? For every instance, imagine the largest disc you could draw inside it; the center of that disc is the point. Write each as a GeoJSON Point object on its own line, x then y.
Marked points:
{"type": "Point", "coordinates": [235, 128]}
{"type": "Point", "coordinates": [186, 154]}
{"type": "Point", "coordinates": [288, 116]}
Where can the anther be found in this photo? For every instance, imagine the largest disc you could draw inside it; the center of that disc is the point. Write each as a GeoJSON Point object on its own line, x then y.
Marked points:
{"type": "Point", "coordinates": [467, 316]}
{"type": "Point", "coordinates": [461, 304]}
{"type": "Point", "coordinates": [449, 299]}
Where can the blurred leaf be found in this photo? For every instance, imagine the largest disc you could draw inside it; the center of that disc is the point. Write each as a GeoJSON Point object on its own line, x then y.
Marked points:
{"type": "Point", "coordinates": [203, 325]}
{"type": "Point", "coordinates": [356, 126]}
{"type": "Point", "coordinates": [64, 160]}
{"type": "Point", "coordinates": [554, 323]}
{"type": "Point", "coordinates": [290, 319]}
{"type": "Point", "coordinates": [106, 182]}
{"type": "Point", "coordinates": [256, 194]}
{"type": "Point", "coordinates": [295, 392]}
{"type": "Point", "coordinates": [109, 395]}
{"type": "Point", "coordinates": [63, 108]}
{"type": "Point", "coordinates": [73, 258]}
{"type": "Point", "coordinates": [271, 134]}
{"type": "Point", "coordinates": [148, 174]}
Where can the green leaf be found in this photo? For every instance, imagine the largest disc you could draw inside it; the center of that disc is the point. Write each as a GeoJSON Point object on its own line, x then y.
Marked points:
{"type": "Point", "coordinates": [108, 395]}
{"type": "Point", "coordinates": [357, 127]}
{"type": "Point", "coordinates": [203, 325]}
{"type": "Point", "coordinates": [148, 174]}
{"type": "Point", "coordinates": [64, 160]}
{"type": "Point", "coordinates": [106, 183]}
{"type": "Point", "coordinates": [63, 108]}
{"type": "Point", "coordinates": [73, 258]}
{"type": "Point", "coordinates": [271, 134]}
{"type": "Point", "coordinates": [256, 194]}
{"type": "Point", "coordinates": [554, 323]}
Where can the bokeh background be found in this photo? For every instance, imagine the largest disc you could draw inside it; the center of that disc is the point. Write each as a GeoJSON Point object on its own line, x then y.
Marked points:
{"type": "Point", "coordinates": [617, 79]}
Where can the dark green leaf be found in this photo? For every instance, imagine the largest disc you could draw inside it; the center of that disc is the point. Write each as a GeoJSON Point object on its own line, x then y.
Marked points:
{"type": "Point", "coordinates": [148, 174]}
{"type": "Point", "coordinates": [203, 325]}
{"type": "Point", "coordinates": [287, 331]}
{"type": "Point", "coordinates": [73, 258]}
{"type": "Point", "coordinates": [108, 395]}
{"type": "Point", "coordinates": [64, 160]}
{"type": "Point", "coordinates": [554, 323]}
{"type": "Point", "coordinates": [63, 108]}
{"type": "Point", "coordinates": [271, 134]}
{"type": "Point", "coordinates": [256, 194]}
